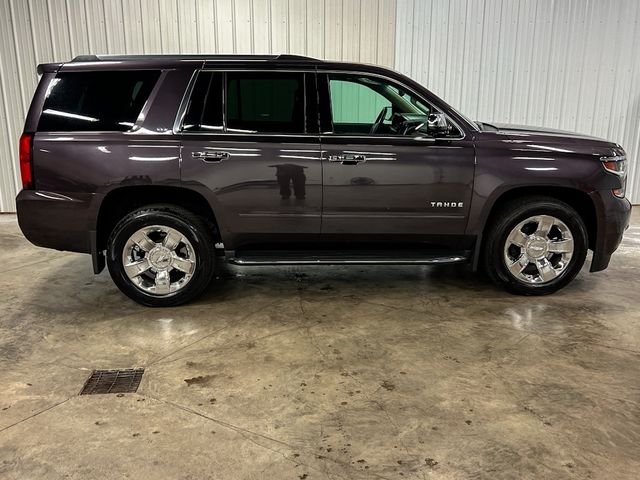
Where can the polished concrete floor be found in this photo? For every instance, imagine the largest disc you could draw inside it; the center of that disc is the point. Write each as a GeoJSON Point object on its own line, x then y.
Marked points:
{"type": "Point", "coordinates": [325, 372]}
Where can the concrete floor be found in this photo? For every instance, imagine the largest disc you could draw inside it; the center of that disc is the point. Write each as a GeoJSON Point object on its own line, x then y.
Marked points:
{"type": "Point", "coordinates": [303, 373]}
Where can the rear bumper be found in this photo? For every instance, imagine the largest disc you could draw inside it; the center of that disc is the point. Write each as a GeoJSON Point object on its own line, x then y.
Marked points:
{"type": "Point", "coordinates": [57, 221]}
{"type": "Point", "coordinates": [613, 220]}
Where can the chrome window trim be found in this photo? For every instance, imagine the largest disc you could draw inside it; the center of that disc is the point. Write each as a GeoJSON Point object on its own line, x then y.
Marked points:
{"type": "Point", "coordinates": [177, 125]}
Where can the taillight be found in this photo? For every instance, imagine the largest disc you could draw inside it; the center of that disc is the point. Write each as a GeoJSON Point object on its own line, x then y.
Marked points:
{"type": "Point", "coordinates": [26, 164]}
{"type": "Point", "coordinates": [618, 166]}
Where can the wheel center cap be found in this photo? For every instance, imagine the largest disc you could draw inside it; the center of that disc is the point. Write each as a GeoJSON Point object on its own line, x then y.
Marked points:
{"type": "Point", "coordinates": [160, 257]}
{"type": "Point", "coordinates": [536, 247]}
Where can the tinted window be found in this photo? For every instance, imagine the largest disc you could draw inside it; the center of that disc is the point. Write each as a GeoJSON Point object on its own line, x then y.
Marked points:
{"type": "Point", "coordinates": [265, 102]}
{"type": "Point", "coordinates": [204, 112]}
{"type": "Point", "coordinates": [96, 100]}
{"type": "Point", "coordinates": [369, 105]}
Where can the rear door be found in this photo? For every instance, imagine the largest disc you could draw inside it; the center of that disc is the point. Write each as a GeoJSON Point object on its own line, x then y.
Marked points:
{"type": "Point", "coordinates": [250, 143]}
{"type": "Point", "coordinates": [380, 179]}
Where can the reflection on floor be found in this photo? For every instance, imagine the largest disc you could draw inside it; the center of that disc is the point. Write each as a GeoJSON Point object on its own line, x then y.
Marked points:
{"type": "Point", "coordinates": [325, 372]}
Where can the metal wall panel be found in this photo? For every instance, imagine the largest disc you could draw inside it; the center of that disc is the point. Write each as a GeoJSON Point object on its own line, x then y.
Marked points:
{"type": "Point", "coordinates": [38, 31]}
{"type": "Point", "coordinates": [571, 64]}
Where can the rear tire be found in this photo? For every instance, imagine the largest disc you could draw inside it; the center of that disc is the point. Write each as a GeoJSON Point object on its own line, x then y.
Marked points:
{"type": "Point", "coordinates": [161, 255]}
{"type": "Point", "coordinates": [535, 246]}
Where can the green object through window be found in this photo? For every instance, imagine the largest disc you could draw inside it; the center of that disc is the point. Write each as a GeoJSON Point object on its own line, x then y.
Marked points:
{"type": "Point", "coordinates": [362, 105]}
{"type": "Point", "coordinates": [355, 103]}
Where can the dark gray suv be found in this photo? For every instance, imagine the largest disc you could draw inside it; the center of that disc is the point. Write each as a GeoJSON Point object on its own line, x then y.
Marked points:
{"type": "Point", "coordinates": [165, 165]}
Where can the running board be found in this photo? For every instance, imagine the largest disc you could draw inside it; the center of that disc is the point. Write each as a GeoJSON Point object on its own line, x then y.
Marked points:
{"type": "Point", "coordinates": [255, 257]}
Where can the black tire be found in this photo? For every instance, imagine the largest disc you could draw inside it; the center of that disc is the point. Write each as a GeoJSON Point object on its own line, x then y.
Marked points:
{"type": "Point", "coordinates": [507, 218]}
{"type": "Point", "coordinates": [191, 226]}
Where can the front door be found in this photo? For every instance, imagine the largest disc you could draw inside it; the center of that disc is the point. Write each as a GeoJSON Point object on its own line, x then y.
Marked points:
{"type": "Point", "coordinates": [382, 178]}
{"type": "Point", "coordinates": [250, 144]}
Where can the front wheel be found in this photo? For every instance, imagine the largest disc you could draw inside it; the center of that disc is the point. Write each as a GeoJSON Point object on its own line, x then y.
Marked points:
{"type": "Point", "coordinates": [161, 255]}
{"type": "Point", "coordinates": [535, 246]}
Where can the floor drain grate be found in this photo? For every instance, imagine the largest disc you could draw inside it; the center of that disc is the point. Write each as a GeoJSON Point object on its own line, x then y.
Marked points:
{"type": "Point", "coordinates": [113, 381]}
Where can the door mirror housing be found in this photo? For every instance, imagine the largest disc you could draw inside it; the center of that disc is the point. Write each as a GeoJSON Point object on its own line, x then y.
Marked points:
{"type": "Point", "coordinates": [437, 124]}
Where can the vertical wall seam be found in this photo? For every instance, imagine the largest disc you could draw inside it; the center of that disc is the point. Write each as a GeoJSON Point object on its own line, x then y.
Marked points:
{"type": "Point", "coordinates": [233, 26]}
{"type": "Point", "coordinates": [144, 43]}
{"type": "Point", "coordinates": [86, 26]}
{"type": "Point", "coordinates": [107, 36]}
{"type": "Point", "coordinates": [69, 29]}
{"type": "Point", "coordinates": [53, 42]}
{"type": "Point", "coordinates": [124, 30]}
{"type": "Point", "coordinates": [17, 55]}
{"type": "Point", "coordinates": [9, 121]}
{"type": "Point", "coordinates": [216, 28]}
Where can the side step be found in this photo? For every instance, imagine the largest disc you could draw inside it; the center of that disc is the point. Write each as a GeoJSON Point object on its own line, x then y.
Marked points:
{"type": "Point", "coordinates": [410, 257]}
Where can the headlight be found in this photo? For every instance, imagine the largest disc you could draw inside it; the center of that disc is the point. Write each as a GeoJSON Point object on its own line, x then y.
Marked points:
{"type": "Point", "coordinates": [618, 166]}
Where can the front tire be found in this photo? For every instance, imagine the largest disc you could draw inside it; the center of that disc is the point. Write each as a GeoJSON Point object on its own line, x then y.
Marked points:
{"type": "Point", "coordinates": [535, 246]}
{"type": "Point", "coordinates": [161, 255]}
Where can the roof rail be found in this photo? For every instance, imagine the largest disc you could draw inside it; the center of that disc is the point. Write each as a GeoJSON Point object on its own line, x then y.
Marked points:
{"type": "Point", "coordinates": [289, 57]}
{"type": "Point", "coordinates": [222, 57]}
{"type": "Point", "coordinates": [85, 58]}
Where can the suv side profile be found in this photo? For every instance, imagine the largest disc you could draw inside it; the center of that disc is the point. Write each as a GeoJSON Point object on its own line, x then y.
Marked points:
{"type": "Point", "coordinates": [162, 166]}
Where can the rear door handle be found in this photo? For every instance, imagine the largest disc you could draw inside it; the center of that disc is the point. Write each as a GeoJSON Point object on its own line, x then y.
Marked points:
{"type": "Point", "coordinates": [348, 158]}
{"type": "Point", "coordinates": [211, 157]}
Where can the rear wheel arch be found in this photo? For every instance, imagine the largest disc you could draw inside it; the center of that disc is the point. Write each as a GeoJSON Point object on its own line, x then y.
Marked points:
{"type": "Point", "coordinates": [120, 202]}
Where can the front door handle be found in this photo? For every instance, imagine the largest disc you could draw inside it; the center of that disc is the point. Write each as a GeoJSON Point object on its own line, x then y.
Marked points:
{"type": "Point", "coordinates": [211, 157]}
{"type": "Point", "coordinates": [348, 158]}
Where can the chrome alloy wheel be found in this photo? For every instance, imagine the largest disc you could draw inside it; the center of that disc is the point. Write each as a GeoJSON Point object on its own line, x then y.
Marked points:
{"type": "Point", "coordinates": [538, 249]}
{"type": "Point", "coordinates": [159, 260]}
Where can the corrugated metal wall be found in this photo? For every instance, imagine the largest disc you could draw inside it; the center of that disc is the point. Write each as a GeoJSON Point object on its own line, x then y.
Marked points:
{"type": "Point", "coordinates": [569, 64]}
{"type": "Point", "coordinates": [38, 31]}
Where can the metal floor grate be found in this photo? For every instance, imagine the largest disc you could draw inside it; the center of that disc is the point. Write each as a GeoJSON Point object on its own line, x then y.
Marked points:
{"type": "Point", "coordinates": [113, 381]}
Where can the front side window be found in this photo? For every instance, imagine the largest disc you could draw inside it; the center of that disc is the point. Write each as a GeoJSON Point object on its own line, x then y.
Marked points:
{"type": "Point", "coordinates": [363, 105]}
{"type": "Point", "coordinates": [96, 101]}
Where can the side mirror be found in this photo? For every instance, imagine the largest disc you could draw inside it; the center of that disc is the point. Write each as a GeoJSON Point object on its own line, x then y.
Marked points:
{"type": "Point", "coordinates": [437, 124]}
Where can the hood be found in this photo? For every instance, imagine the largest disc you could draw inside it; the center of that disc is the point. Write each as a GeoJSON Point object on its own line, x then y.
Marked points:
{"type": "Point", "coordinates": [539, 136]}
{"type": "Point", "coordinates": [528, 130]}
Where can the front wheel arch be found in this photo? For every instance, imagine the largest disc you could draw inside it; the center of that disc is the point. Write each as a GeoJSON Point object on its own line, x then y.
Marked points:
{"type": "Point", "coordinates": [580, 201]}
{"type": "Point", "coordinates": [524, 217]}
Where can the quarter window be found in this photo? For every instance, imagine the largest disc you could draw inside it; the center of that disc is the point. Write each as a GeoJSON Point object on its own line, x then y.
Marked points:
{"type": "Point", "coordinates": [96, 101]}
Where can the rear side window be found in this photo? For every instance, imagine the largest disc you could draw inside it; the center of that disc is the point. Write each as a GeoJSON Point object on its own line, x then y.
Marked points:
{"type": "Point", "coordinates": [265, 102]}
{"type": "Point", "coordinates": [251, 102]}
{"type": "Point", "coordinates": [96, 101]}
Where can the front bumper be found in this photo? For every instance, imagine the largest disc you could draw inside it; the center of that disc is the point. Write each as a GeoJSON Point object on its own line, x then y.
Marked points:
{"type": "Point", "coordinates": [54, 220]}
{"type": "Point", "coordinates": [613, 219]}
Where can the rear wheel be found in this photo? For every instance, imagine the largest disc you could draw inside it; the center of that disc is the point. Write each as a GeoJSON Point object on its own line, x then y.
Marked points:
{"type": "Point", "coordinates": [535, 246]}
{"type": "Point", "coordinates": [161, 255]}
